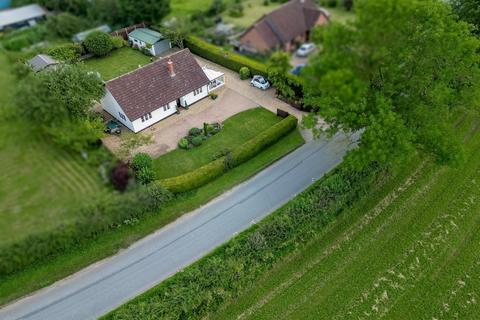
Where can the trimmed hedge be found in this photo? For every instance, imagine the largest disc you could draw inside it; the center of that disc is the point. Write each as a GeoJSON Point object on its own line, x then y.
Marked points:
{"type": "Point", "coordinates": [203, 175]}
{"type": "Point", "coordinates": [107, 213]}
{"type": "Point", "coordinates": [201, 288]}
{"type": "Point", "coordinates": [230, 60]}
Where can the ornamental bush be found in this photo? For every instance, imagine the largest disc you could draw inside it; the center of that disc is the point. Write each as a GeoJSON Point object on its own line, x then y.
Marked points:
{"type": "Point", "coordinates": [195, 132]}
{"type": "Point", "coordinates": [244, 73]}
{"type": "Point", "coordinates": [118, 42]}
{"type": "Point", "coordinates": [183, 143]}
{"type": "Point", "coordinates": [197, 141]}
{"type": "Point", "coordinates": [145, 175]}
{"type": "Point", "coordinates": [99, 43]}
{"type": "Point", "coordinates": [69, 53]}
{"type": "Point", "coordinates": [141, 160]}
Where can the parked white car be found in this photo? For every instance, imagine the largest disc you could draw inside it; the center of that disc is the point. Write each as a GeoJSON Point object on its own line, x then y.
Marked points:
{"type": "Point", "coordinates": [305, 49]}
{"type": "Point", "coordinates": [260, 82]}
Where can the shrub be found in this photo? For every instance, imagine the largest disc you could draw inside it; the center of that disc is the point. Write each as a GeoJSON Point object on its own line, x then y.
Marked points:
{"type": "Point", "coordinates": [142, 160]}
{"type": "Point", "coordinates": [183, 143]}
{"type": "Point", "coordinates": [244, 73]}
{"type": "Point", "coordinates": [99, 43]}
{"type": "Point", "coordinates": [118, 42]}
{"type": "Point", "coordinates": [348, 4]}
{"type": "Point", "coordinates": [195, 132]}
{"type": "Point", "coordinates": [196, 178]}
{"type": "Point", "coordinates": [106, 213]}
{"type": "Point", "coordinates": [331, 3]}
{"type": "Point", "coordinates": [20, 39]}
{"type": "Point", "coordinates": [197, 141]}
{"type": "Point", "coordinates": [119, 176]}
{"type": "Point", "coordinates": [70, 52]}
{"type": "Point", "coordinates": [252, 147]}
{"type": "Point", "coordinates": [145, 175]}
{"type": "Point", "coordinates": [213, 95]}
{"type": "Point", "coordinates": [230, 60]}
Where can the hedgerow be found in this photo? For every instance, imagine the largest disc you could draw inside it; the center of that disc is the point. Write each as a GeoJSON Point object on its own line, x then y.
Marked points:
{"type": "Point", "coordinates": [230, 60]}
{"type": "Point", "coordinates": [202, 287]}
{"type": "Point", "coordinates": [104, 214]}
{"type": "Point", "coordinates": [203, 175]}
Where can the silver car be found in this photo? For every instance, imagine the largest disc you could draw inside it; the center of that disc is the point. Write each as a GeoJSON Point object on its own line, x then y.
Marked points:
{"type": "Point", "coordinates": [305, 49]}
{"type": "Point", "coordinates": [260, 82]}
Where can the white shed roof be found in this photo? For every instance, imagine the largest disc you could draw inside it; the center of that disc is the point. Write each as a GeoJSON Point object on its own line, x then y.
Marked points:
{"type": "Point", "coordinates": [212, 74]}
{"type": "Point", "coordinates": [16, 15]}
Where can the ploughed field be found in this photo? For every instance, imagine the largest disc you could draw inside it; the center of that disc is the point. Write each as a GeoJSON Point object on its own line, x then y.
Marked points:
{"type": "Point", "coordinates": [410, 250]}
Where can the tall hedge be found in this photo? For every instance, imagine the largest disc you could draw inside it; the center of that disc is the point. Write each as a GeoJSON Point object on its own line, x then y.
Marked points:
{"type": "Point", "coordinates": [203, 175]}
{"type": "Point", "coordinates": [230, 60]}
{"type": "Point", "coordinates": [93, 219]}
{"type": "Point", "coordinates": [201, 288]}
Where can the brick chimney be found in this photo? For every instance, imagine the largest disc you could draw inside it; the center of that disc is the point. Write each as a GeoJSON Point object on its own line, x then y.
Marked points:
{"type": "Point", "coordinates": [170, 68]}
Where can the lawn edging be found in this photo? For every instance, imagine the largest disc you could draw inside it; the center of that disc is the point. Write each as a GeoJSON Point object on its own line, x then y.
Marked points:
{"type": "Point", "coordinates": [202, 287]}
{"type": "Point", "coordinates": [201, 176]}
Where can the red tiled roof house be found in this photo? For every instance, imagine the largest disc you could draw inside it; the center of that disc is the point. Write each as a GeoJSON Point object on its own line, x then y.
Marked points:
{"type": "Point", "coordinates": [285, 26]}
{"type": "Point", "coordinates": [153, 92]}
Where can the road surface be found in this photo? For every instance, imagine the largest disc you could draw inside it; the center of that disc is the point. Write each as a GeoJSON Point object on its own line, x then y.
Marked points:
{"type": "Point", "coordinates": [109, 283]}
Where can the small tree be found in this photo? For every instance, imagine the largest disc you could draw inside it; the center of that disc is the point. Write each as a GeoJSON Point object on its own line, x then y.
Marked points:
{"type": "Point", "coordinates": [141, 160]}
{"type": "Point", "coordinates": [119, 176]}
{"type": "Point", "coordinates": [278, 67]}
{"type": "Point", "coordinates": [99, 43]}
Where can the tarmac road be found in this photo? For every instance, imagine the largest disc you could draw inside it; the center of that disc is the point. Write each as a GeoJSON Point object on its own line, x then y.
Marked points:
{"type": "Point", "coordinates": [109, 283]}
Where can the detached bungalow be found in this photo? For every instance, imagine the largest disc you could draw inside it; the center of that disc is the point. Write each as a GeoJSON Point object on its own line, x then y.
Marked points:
{"type": "Point", "coordinates": [153, 92]}
{"type": "Point", "coordinates": [150, 40]}
{"type": "Point", "coordinates": [284, 27]}
{"type": "Point", "coordinates": [21, 17]}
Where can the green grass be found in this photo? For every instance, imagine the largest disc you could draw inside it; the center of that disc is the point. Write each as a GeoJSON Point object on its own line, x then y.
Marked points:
{"type": "Point", "coordinates": [340, 15]}
{"type": "Point", "coordinates": [109, 243]}
{"type": "Point", "coordinates": [410, 250]}
{"type": "Point", "coordinates": [187, 7]}
{"type": "Point", "coordinates": [40, 184]}
{"type": "Point", "coordinates": [117, 63]}
{"type": "Point", "coordinates": [253, 10]}
{"type": "Point", "coordinates": [237, 130]}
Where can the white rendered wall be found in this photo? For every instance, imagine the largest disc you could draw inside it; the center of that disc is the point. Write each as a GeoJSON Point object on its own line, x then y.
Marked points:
{"type": "Point", "coordinates": [110, 105]}
{"type": "Point", "coordinates": [190, 98]}
{"type": "Point", "coordinates": [157, 115]}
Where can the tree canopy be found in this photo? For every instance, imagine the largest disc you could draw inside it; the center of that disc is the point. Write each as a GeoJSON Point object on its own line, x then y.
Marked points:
{"type": "Point", "coordinates": [400, 73]}
{"type": "Point", "coordinates": [469, 11]}
{"type": "Point", "coordinates": [148, 11]}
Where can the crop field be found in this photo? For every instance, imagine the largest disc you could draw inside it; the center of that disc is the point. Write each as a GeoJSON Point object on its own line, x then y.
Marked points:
{"type": "Point", "coordinates": [411, 250]}
{"type": "Point", "coordinates": [40, 184]}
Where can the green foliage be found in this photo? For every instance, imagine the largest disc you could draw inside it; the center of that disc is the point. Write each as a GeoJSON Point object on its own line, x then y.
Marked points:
{"type": "Point", "coordinates": [118, 42]}
{"type": "Point", "coordinates": [104, 11]}
{"type": "Point", "coordinates": [216, 8]}
{"type": "Point", "coordinates": [347, 4]}
{"type": "Point", "coordinates": [149, 11]}
{"type": "Point", "coordinates": [230, 60]}
{"type": "Point", "coordinates": [202, 287]}
{"type": "Point", "coordinates": [77, 134]}
{"type": "Point", "coordinates": [65, 24]}
{"type": "Point", "coordinates": [254, 146]}
{"type": "Point", "coordinates": [200, 176]}
{"type": "Point", "coordinates": [19, 39]}
{"type": "Point", "coordinates": [141, 160]}
{"type": "Point", "coordinates": [197, 140]}
{"type": "Point", "coordinates": [400, 72]}
{"type": "Point", "coordinates": [469, 11]}
{"type": "Point", "coordinates": [183, 143]}
{"type": "Point", "coordinates": [145, 175]}
{"type": "Point", "coordinates": [244, 73]}
{"type": "Point", "coordinates": [195, 132]}
{"type": "Point", "coordinates": [104, 214]}
{"type": "Point", "coordinates": [236, 10]}
{"type": "Point", "coordinates": [99, 43]}
{"type": "Point", "coordinates": [278, 67]}
{"type": "Point", "coordinates": [69, 53]}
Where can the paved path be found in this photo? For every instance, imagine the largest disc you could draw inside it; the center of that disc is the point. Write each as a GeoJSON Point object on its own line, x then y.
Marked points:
{"type": "Point", "coordinates": [106, 285]}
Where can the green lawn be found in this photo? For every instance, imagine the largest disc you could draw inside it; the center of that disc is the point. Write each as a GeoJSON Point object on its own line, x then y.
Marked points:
{"type": "Point", "coordinates": [410, 250]}
{"type": "Point", "coordinates": [253, 10]}
{"type": "Point", "coordinates": [46, 273]}
{"type": "Point", "coordinates": [187, 7]}
{"type": "Point", "coordinates": [237, 130]}
{"type": "Point", "coordinates": [117, 63]}
{"type": "Point", "coordinates": [40, 184]}
{"type": "Point", "coordinates": [340, 15]}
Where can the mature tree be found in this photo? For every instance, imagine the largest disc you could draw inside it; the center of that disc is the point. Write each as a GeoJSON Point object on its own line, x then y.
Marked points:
{"type": "Point", "coordinates": [148, 11]}
{"type": "Point", "coordinates": [401, 72]}
{"type": "Point", "coordinates": [66, 24]}
{"type": "Point", "coordinates": [278, 67]}
{"type": "Point", "coordinates": [177, 30]}
{"type": "Point", "coordinates": [105, 11]}
{"type": "Point", "coordinates": [99, 43]}
{"type": "Point", "coordinates": [469, 11]}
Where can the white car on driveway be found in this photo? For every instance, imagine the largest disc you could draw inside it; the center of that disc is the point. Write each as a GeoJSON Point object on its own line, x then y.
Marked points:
{"type": "Point", "coordinates": [260, 82]}
{"type": "Point", "coordinates": [306, 49]}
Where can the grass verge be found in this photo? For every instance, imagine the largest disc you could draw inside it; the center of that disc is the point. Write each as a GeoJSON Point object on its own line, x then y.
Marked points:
{"type": "Point", "coordinates": [107, 244]}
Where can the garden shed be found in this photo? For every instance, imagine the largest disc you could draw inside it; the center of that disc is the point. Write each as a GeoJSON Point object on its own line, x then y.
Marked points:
{"type": "Point", "coordinates": [150, 40]}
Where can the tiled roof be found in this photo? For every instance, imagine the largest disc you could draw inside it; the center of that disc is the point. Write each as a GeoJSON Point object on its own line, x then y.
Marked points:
{"type": "Point", "coordinates": [287, 22]}
{"type": "Point", "coordinates": [146, 35]}
{"type": "Point", "coordinates": [151, 87]}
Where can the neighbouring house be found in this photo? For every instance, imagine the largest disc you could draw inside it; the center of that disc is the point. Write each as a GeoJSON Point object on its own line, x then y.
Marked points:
{"type": "Point", "coordinates": [284, 27]}
{"type": "Point", "coordinates": [25, 16]}
{"type": "Point", "coordinates": [81, 36]}
{"type": "Point", "coordinates": [153, 92]}
{"type": "Point", "coordinates": [42, 62]}
{"type": "Point", "coordinates": [150, 40]}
